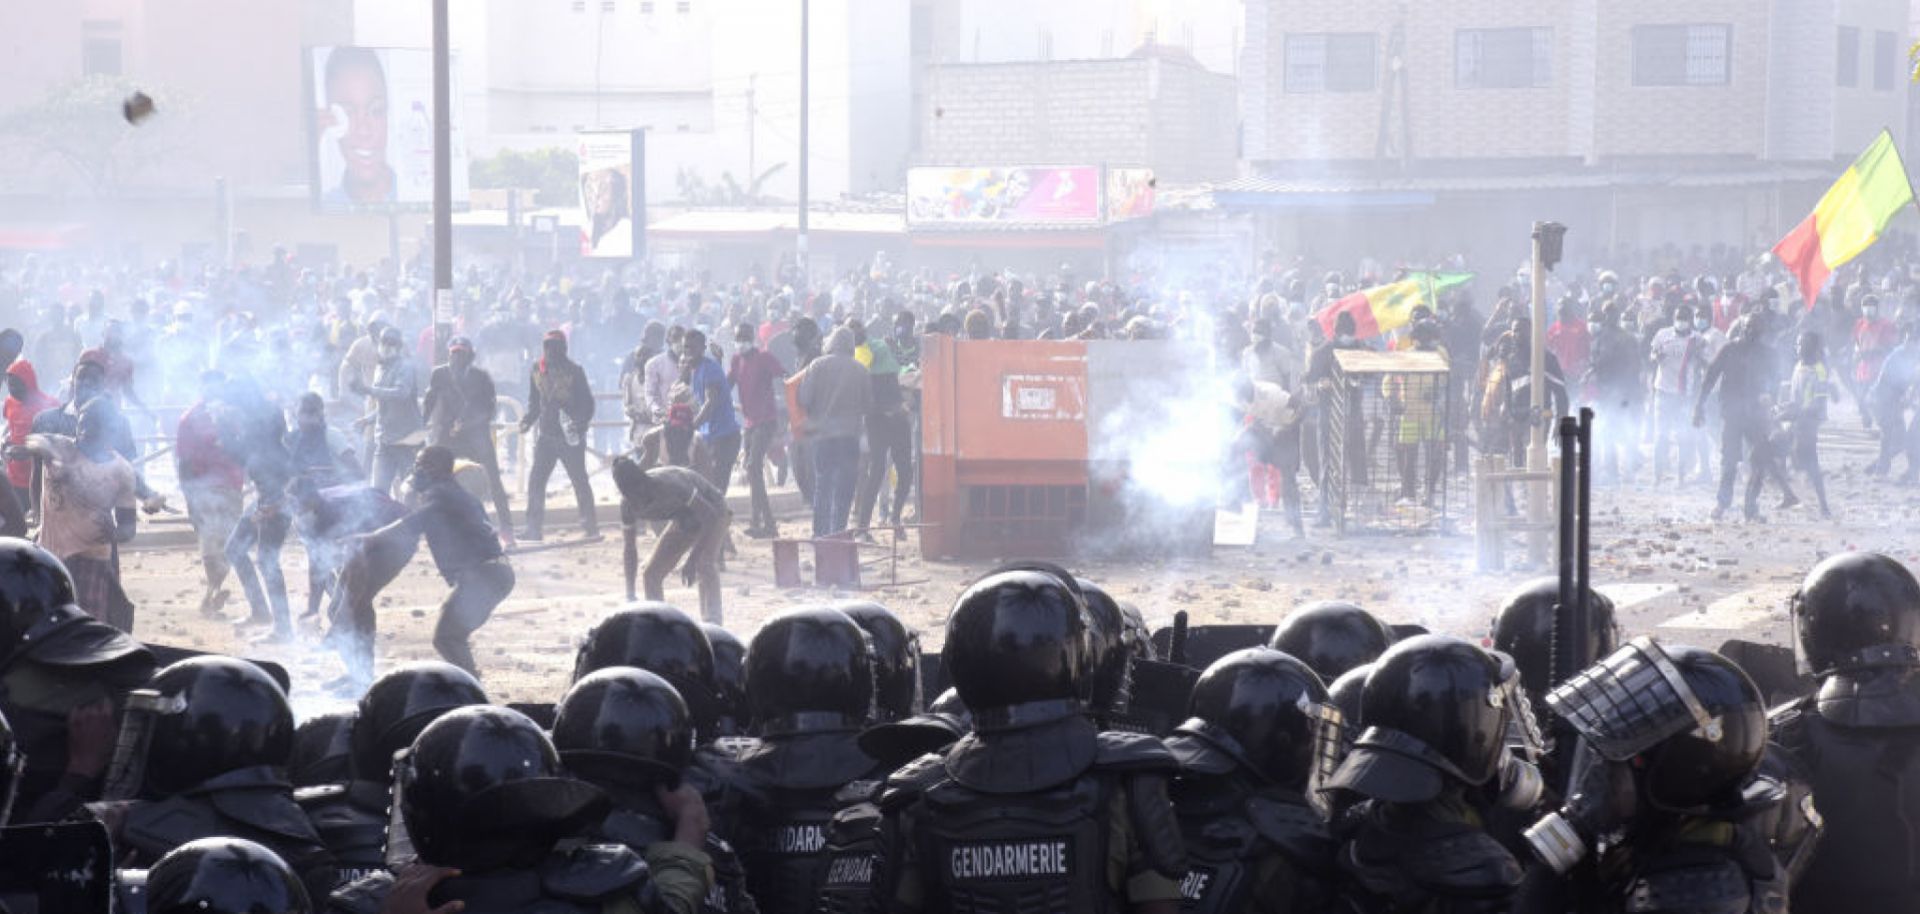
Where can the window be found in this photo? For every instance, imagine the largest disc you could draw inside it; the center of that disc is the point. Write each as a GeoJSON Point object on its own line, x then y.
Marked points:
{"type": "Point", "coordinates": [579, 6]}
{"type": "Point", "coordinates": [100, 48]}
{"type": "Point", "coordinates": [1046, 45]}
{"type": "Point", "coordinates": [1846, 57]}
{"type": "Point", "coordinates": [1331, 62]}
{"type": "Point", "coordinates": [646, 7]}
{"type": "Point", "coordinates": [1502, 58]}
{"type": "Point", "coordinates": [607, 6]}
{"type": "Point", "coordinates": [1682, 55]}
{"type": "Point", "coordinates": [1106, 43]}
{"type": "Point", "coordinates": [1886, 54]}
{"type": "Point", "coordinates": [684, 6]}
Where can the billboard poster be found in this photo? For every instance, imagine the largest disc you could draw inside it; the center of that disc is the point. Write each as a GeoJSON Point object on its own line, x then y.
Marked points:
{"type": "Point", "coordinates": [1003, 196]}
{"type": "Point", "coordinates": [606, 193]}
{"type": "Point", "coordinates": [372, 112]}
{"type": "Point", "coordinates": [1129, 193]}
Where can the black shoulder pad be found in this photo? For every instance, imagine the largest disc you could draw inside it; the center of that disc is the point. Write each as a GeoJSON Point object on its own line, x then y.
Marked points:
{"type": "Point", "coordinates": [913, 779]}
{"type": "Point", "coordinates": [1469, 863]}
{"type": "Point", "coordinates": [592, 872]}
{"type": "Point", "coordinates": [269, 811]}
{"type": "Point", "coordinates": [365, 895]}
{"type": "Point", "coordinates": [158, 826]}
{"type": "Point", "coordinates": [1707, 888]}
{"type": "Point", "coordinates": [857, 792]}
{"type": "Point", "coordinates": [1121, 751]}
{"type": "Point", "coordinates": [1299, 832]}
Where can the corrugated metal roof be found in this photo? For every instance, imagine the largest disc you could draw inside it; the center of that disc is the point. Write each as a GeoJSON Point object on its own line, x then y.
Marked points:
{"type": "Point", "coordinates": [1415, 190]}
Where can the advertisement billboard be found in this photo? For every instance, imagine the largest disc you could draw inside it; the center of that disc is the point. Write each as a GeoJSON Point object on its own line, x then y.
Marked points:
{"type": "Point", "coordinates": [1003, 196]}
{"type": "Point", "coordinates": [372, 122]}
{"type": "Point", "coordinates": [612, 202]}
{"type": "Point", "coordinates": [1129, 193]}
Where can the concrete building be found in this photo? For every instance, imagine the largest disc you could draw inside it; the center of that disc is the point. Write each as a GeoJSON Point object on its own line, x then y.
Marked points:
{"type": "Point", "coordinates": [1157, 107]}
{"type": "Point", "coordinates": [1638, 122]}
{"type": "Point", "coordinates": [230, 86]}
{"type": "Point", "coordinates": [714, 82]}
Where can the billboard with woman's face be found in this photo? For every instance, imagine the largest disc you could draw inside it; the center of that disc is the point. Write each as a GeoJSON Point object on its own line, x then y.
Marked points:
{"type": "Point", "coordinates": [373, 129]}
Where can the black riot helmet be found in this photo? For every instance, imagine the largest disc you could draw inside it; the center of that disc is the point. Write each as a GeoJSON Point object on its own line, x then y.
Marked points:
{"type": "Point", "coordinates": [1523, 630]}
{"type": "Point", "coordinates": [900, 742]}
{"type": "Point", "coordinates": [1017, 650]}
{"type": "Point", "coordinates": [623, 723]}
{"type": "Point", "coordinates": [1270, 713]}
{"type": "Point", "coordinates": [322, 750]}
{"type": "Point", "coordinates": [896, 659]}
{"type": "Point", "coordinates": [810, 670]}
{"type": "Point", "coordinates": [733, 717]}
{"type": "Point", "coordinates": [661, 640]}
{"type": "Point", "coordinates": [401, 704]}
{"type": "Point", "coordinates": [39, 619]}
{"type": "Point", "coordinates": [220, 714]}
{"type": "Point", "coordinates": [481, 789]}
{"type": "Point", "coordinates": [1437, 712]}
{"type": "Point", "coordinates": [1110, 650]}
{"type": "Point", "coordinates": [224, 876]}
{"type": "Point", "coordinates": [1692, 722]}
{"type": "Point", "coordinates": [1332, 637]}
{"type": "Point", "coordinates": [1346, 693]}
{"type": "Point", "coordinates": [1857, 610]}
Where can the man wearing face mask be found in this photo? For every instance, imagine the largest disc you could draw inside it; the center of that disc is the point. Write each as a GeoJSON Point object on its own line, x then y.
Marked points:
{"type": "Point", "coordinates": [757, 375]}
{"type": "Point", "coordinates": [1743, 374]}
{"type": "Point", "coordinates": [559, 410]}
{"type": "Point", "coordinates": [1874, 335]}
{"type": "Point", "coordinates": [396, 411]}
{"type": "Point", "coordinates": [1677, 361]}
{"type": "Point", "coordinates": [459, 407]}
{"type": "Point", "coordinates": [465, 550]}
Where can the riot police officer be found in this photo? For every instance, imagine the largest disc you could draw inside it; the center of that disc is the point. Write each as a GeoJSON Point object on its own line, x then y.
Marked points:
{"type": "Point", "coordinates": [1036, 810]}
{"type": "Point", "coordinates": [1262, 739]}
{"type": "Point", "coordinates": [217, 747]}
{"type": "Point", "coordinates": [1856, 621]}
{"type": "Point", "coordinates": [810, 678]}
{"type": "Point", "coordinates": [1437, 710]}
{"type": "Point", "coordinates": [628, 732]}
{"type": "Point", "coordinates": [1671, 741]}
{"type": "Point", "coordinates": [322, 750]}
{"type": "Point", "coordinates": [729, 681]}
{"type": "Point", "coordinates": [668, 643]}
{"type": "Point", "coordinates": [1332, 637]}
{"type": "Point", "coordinates": [482, 796]}
{"type": "Point", "coordinates": [1523, 629]}
{"type": "Point", "coordinates": [224, 876]}
{"type": "Point", "coordinates": [896, 658]}
{"type": "Point", "coordinates": [62, 676]}
{"type": "Point", "coordinates": [352, 817]}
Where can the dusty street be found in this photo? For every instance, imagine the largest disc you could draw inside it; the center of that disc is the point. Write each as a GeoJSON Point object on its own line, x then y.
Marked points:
{"type": "Point", "coordinates": [1670, 570]}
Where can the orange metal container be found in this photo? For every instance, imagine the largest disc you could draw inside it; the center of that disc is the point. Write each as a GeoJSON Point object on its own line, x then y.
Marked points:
{"type": "Point", "coordinates": [1004, 440]}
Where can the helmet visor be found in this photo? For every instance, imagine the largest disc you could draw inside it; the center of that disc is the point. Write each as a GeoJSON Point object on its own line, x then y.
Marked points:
{"type": "Point", "coordinates": [1630, 701]}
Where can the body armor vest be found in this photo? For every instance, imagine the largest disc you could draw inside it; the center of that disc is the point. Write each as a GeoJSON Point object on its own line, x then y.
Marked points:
{"type": "Point", "coordinates": [794, 782]}
{"type": "Point", "coordinates": [351, 820]}
{"type": "Point", "coordinates": [1866, 787]}
{"type": "Point", "coordinates": [1705, 867]}
{"type": "Point", "coordinates": [1230, 830]}
{"type": "Point", "coordinates": [1043, 852]}
{"type": "Point", "coordinates": [251, 803]}
{"type": "Point", "coordinates": [635, 830]}
{"type": "Point", "coordinates": [853, 853]}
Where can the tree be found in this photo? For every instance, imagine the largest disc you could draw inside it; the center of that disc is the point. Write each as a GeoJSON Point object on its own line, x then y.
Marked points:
{"type": "Point", "coordinates": [79, 126]}
{"type": "Point", "coordinates": [553, 173]}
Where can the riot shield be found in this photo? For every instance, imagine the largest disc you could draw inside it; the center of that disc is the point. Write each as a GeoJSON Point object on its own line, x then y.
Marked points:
{"type": "Point", "coordinates": [64, 868]}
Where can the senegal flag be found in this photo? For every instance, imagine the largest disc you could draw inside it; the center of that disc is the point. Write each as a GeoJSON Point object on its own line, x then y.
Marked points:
{"type": "Point", "coordinates": [1383, 309]}
{"type": "Point", "coordinates": [1848, 219]}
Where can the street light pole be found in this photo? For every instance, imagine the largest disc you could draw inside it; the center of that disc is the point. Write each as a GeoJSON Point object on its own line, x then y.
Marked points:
{"type": "Point", "coordinates": [443, 310]}
{"type": "Point", "coordinates": [800, 252]}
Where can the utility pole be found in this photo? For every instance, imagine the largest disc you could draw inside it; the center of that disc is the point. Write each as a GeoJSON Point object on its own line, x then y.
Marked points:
{"type": "Point", "coordinates": [753, 114]}
{"type": "Point", "coordinates": [1546, 253]}
{"type": "Point", "coordinates": [800, 251]}
{"type": "Point", "coordinates": [443, 310]}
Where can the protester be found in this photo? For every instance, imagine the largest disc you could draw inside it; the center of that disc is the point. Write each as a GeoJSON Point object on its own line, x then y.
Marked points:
{"type": "Point", "coordinates": [695, 514]}
{"type": "Point", "coordinates": [757, 375]}
{"type": "Point", "coordinates": [459, 408]}
{"type": "Point", "coordinates": [213, 483]}
{"type": "Point", "coordinates": [836, 393]}
{"type": "Point", "coordinates": [87, 508]}
{"type": "Point", "coordinates": [559, 410]}
{"type": "Point", "coordinates": [713, 414]}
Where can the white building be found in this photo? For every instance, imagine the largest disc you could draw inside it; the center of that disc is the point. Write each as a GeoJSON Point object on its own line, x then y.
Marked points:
{"type": "Point", "coordinates": [714, 82]}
